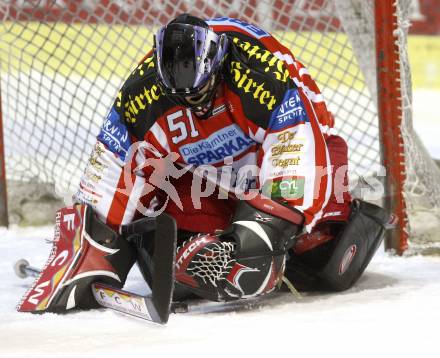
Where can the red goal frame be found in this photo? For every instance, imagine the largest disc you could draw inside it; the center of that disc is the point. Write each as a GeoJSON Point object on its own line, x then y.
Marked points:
{"type": "Point", "coordinates": [390, 110]}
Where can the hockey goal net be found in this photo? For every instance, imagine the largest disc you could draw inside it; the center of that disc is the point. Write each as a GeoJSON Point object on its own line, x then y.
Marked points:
{"type": "Point", "coordinates": [62, 63]}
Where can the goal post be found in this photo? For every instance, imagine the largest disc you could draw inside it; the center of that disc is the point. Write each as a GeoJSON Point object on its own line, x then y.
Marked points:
{"type": "Point", "coordinates": [390, 113]}
{"type": "Point", "coordinates": [4, 219]}
{"type": "Point", "coordinates": [63, 61]}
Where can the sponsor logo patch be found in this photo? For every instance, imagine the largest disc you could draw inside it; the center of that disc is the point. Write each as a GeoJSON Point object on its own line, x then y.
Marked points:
{"type": "Point", "coordinates": [243, 80]}
{"type": "Point", "coordinates": [273, 64]}
{"type": "Point", "coordinates": [286, 162]}
{"type": "Point", "coordinates": [285, 188]}
{"type": "Point", "coordinates": [228, 141]}
{"type": "Point", "coordinates": [286, 148]}
{"type": "Point", "coordinates": [290, 113]}
{"type": "Point", "coordinates": [95, 158]}
{"type": "Point", "coordinates": [114, 135]}
{"type": "Point", "coordinates": [286, 136]}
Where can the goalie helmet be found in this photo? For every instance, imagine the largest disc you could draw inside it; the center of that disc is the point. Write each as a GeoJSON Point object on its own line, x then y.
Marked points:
{"type": "Point", "coordinates": [189, 57]}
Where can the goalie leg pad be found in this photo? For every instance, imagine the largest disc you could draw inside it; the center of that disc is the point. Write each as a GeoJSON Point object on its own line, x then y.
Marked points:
{"type": "Point", "coordinates": [85, 251]}
{"type": "Point", "coordinates": [356, 246]}
{"type": "Point", "coordinates": [339, 263]}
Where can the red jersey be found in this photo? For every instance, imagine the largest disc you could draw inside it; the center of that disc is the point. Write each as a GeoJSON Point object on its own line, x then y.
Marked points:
{"type": "Point", "coordinates": [268, 113]}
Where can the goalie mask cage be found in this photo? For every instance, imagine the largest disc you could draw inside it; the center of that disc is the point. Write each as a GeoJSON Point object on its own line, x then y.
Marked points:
{"type": "Point", "coordinates": [62, 63]}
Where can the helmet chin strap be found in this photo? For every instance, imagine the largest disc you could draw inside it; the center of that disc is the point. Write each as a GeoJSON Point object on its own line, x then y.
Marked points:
{"type": "Point", "coordinates": [206, 110]}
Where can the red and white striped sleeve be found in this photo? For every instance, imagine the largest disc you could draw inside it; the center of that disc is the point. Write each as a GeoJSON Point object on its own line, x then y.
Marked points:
{"type": "Point", "coordinates": [294, 158]}
{"type": "Point", "coordinates": [301, 77]}
{"type": "Point", "coordinates": [303, 80]}
{"type": "Point", "coordinates": [114, 181]}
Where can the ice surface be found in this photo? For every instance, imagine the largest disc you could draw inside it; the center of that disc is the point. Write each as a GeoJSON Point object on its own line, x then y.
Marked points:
{"type": "Point", "coordinates": [395, 309]}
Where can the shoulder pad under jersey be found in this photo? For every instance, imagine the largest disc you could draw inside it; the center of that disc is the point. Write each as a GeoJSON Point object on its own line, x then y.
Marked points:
{"type": "Point", "coordinates": [140, 100]}
{"type": "Point", "coordinates": [257, 76]}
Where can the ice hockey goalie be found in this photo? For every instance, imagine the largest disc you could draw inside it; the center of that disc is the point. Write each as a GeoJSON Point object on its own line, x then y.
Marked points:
{"type": "Point", "coordinates": [222, 128]}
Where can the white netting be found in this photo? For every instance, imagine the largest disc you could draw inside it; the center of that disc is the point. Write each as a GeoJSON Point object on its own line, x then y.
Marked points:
{"type": "Point", "coordinates": [213, 263]}
{"type": "Point", "coordinates": [62, 63]}
{"type": "Point", "coordinates": [422, 189]}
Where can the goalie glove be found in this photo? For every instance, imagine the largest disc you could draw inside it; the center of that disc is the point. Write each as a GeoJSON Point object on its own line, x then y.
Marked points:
{"type": "Point", "coordinates": [85, 251]}
{"type": "Point", "coordinates": [247, 259]}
